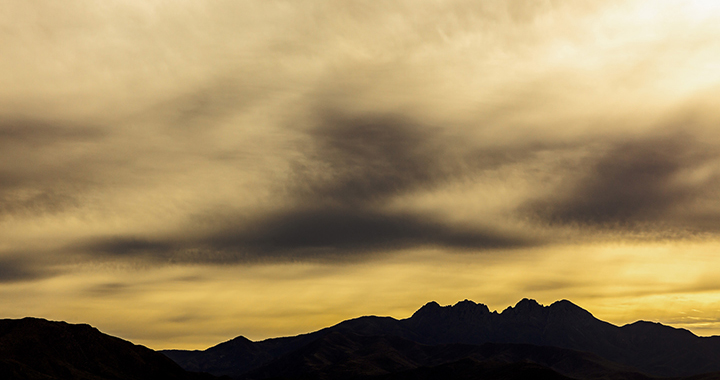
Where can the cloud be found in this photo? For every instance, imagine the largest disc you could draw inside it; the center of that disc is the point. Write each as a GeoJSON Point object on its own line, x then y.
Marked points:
{"type": "Point", "coordinates": [107, 289]}
{"type": "Point", "coordinates": [36, 133]}
{"type": "Point", "coordinates": [212, 146]}
{"type": "Point", "coordinates": [339, 198]}
{"type": "Point", "coordinates": [125, 246]}
{"type": "Point", "coordinates": [18, 268]}
{"type": "Point", "coordinates": [40, 169]}
{"type": "Point", "coordinates": [370, 158]}
{"type": "Point", "coordinates": [355, 167]}
{"type": "Point", "coordinates": [651, 181]}
{"type": "Point", "coordinates": [349, 230]}
{"type": "Point", "coordinates": [35, 201]}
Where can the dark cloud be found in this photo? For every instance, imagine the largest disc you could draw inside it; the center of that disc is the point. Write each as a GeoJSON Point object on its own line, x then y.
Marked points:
{"type": "Point", "coordinates": [39, 171]}
{"type": "Point", "coordinates": [372, 158]}
{"type": "Point", "coordinates": [355, 229]}
{"type": "Point", "coordinates": [35, 201]}
{"type": "Point", "coordinates": [355, 166]}
{"type": "Point", "coordinates": [339, 195]}
{"type": "Point", "coordinates": [364, 159]}
{"type": "Point", "coordinates": [645, 181]}
{"type": "Point", "coordinates": [36, 133]}
{"type": "Point", "coordinates": [107, 289]}
{"type": "Point", "coordinates": [339, 200]}
{"type": "Point", "coordinates": [126, 246]}
{"type": "Point", "coordinates": [322, 233]}
{"type": "Point", "coordinates": [17, 269]}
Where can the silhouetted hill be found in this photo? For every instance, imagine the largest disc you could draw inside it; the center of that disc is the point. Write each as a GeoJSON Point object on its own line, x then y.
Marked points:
{"type": "Point", "coordinates": [618, 352]}
{"type": "Point", "coordinates": [239, 355]}
{"type": "Point", "coordinates": [32, 348]}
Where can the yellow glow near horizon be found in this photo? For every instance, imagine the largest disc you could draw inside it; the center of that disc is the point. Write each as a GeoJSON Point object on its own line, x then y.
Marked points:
{"type": "Point", "coordinates": [194, 307]}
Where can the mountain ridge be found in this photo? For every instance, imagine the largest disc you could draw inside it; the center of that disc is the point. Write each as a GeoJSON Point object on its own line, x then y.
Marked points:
{"type": "Point", "coordinates": [35, 348]}
{"type": "Point", "coordinates": [463, 341]}
{"type": "Point", "coordinates": [651, 348]}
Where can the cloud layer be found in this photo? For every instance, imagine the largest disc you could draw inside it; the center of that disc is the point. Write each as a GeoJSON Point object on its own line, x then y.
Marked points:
{"type": "Point", "coordinates": [348, 129]}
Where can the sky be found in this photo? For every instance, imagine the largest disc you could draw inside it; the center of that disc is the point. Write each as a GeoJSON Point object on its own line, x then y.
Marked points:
{"type": "Point", "coordinates": [178, 173]}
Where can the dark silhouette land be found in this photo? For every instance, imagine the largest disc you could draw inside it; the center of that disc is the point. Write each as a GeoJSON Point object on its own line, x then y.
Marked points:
{"type": "Point", "coordinates": [558, 340]}
{"type": "Point", "coordinates": [32, 348]}
{"type": "Point", "coordinates": [463, 341]}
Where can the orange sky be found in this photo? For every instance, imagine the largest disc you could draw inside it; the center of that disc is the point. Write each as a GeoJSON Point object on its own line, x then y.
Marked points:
{"type": "Point", "coordinates": [180, 173]}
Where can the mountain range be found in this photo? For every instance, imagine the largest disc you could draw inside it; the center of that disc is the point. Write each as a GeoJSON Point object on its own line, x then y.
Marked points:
{"type": "Point", "coordinates": [464, 341]}
{"type": "Point", "coordinates": [561, 337]}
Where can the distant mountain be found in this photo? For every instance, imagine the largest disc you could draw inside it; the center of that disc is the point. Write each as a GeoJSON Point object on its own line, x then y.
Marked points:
{"type": "Point", "coordinates": [651, 347]}
{"type": "Point", "coordinates": [562, 338]}
{"type": "Point", "coordinates": [33, 348]}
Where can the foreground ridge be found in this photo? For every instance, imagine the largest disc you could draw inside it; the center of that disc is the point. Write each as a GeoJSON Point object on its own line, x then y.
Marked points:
{"type": "Point", "coordinates": [35, 348]}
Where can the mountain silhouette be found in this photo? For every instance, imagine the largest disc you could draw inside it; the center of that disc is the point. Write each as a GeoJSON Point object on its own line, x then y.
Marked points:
{"type": "Point", "coordinates": [33, 348]}
{"type": "Point", "coordinates": [464, 341]}
{"type": "Point", "coordinates": [471, 336]}
{"type": "Point", "coordinates": [651, 347]}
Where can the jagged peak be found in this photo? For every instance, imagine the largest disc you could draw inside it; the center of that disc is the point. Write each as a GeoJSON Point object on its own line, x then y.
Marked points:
{"type": "Point", "coordinates": [561, 306]}
{"type": "Point", "coordinates": [462, 307]}
{"type": "Point", "coordinates": [466, 302]}
{"type": "Point", "coordinates": [528, 302]}
{"type": "Point", "coordinates": [524, 305]}
{"type": "Point", "coordinates": [470, 305]}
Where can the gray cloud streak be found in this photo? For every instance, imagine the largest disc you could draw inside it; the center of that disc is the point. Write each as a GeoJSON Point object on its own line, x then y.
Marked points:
{"type": "Point", "coordinates": [36, 133]}
{"type": "Point", "coordinates": [643, 181]}
{"type": "Point", "coordinates": [18, 268]}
